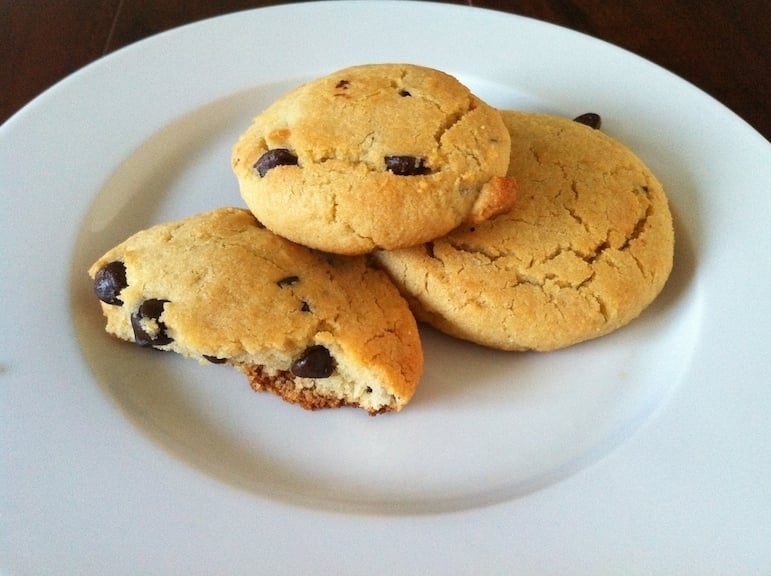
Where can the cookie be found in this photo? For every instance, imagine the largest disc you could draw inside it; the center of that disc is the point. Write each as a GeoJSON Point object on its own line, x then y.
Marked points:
{"type": "Point", "coordinates": [374, 156]}
{"type": "Point", "coordinates": [318, 330]}
{"type": "Point", "coordinates": [587, 247]}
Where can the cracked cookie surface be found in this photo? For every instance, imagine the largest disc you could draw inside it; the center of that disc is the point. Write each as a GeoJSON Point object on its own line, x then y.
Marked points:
{"type": "Point", "coordinates": [587, 247]}
{"type": "Point", "coordinates": [374, 156]}
{"type": "Point", "coordinates": [319, 330]}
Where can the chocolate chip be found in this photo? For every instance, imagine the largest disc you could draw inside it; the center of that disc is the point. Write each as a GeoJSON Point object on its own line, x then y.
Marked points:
{"type": "Point", "coordinates": [590, 119]}
{"type": "Point", "coordinates": [343, 84]}
{"type": "Point", "coordinates": [288, 281]}
{"type": "Point", "coordinates": [315, 362]}
{"type": "Point", "coordinates": [273, 158]}
{"type": "Point", "coordinates": [150, 309]}
{"type": "Point", "coordinates": [406, 166]}
{"type": "Point", "coordinates": [305, 307]}
{"type": "Point", "coordinates": [404, 93]}
{"type": "Point", "coordinates": [109, 280]}
{"type": "Point", "coordinates": [215, 360]}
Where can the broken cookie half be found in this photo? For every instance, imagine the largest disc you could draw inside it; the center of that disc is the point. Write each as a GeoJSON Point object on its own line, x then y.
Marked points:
{"type": "Point", "coordinates": [319, 330]}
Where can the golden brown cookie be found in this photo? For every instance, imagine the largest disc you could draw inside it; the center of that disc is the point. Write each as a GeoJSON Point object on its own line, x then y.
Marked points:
{"type": "Point", "coordinates": [319, 330]}
{"type": "Point", "coordinates": [587, 247]}
{"type": "Point", "coordinates": [374, 156]}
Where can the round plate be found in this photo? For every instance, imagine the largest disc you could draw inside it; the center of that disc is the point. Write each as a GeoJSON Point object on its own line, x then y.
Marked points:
{"type": "Point", "coordinates": [138, 452]}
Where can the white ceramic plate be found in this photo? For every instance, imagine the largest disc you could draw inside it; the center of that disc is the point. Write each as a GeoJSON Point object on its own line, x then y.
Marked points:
{"type": "Point", "coordinates": [647, 450]}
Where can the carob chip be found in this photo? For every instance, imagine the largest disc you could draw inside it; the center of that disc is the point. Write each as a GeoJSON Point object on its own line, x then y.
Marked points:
{"type": "Point", "coordinates": [406, 165]}
{"type": "Point", "coordinates": [150, 309]}
{"type": "Point", "coordinates": [590, 119]}
{"type": "Point", "coordinates": [273, 158]}
{"type": "Point", "coordinates": [109, 280]}
{"type": "Point", "coordinates": [315, 362]}
{"type": "Point", "coordinates": [288, 281]}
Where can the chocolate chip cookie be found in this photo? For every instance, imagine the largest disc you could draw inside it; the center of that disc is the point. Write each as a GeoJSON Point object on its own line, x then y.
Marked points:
{"type": "Point", "coordinates": [319, 330]}
{"type": "Point", "coordinates": [375, 156]}
{"type": "Point", "coordinates": [587, 247]}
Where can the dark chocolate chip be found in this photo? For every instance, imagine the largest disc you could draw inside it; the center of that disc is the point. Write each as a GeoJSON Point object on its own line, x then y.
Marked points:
{"type": "Point", "coordinates": [273, 158]}
{"type": "Point", "coordinates": [343, 84]}
{"type": "Point", "coordinates": [288, 281]}
{"type": "Point", "coordinates": [404, 93]}
{"type": "Point", "coordinates": [406, 166]}
{"type": "Point", "coordinates": [305, 307]}
{"type": "Point", "coordinates": [150, 309]}
{"type": "Point", "coordinates": [109, 280]}
{"type": "Point", "coordinates": [215, 359]}
{"type": "Point", "coordinates": [590, 119]}
{"type": "Point", "coordinates": [315, 362]}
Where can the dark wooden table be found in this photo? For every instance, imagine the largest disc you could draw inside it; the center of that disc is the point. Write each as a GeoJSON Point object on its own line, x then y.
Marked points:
{"type": "Point", "coordinates": [721, 46]}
